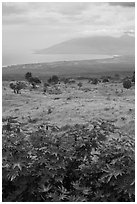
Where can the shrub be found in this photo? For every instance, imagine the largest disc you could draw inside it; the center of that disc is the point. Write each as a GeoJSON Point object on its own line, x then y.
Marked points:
{"type": "Point", "coordinates": [105, 80]}
{"type": "Point", "coordinates": [133, 77]}
{"type": "Point", "coordinates": [64, 80]}
{"type": "Point", "coordinates": [36, 80]}
{"type": "Point", "coordinates": [28, 75]}
{"type": "Point", "coordinates": [79, 84]}
{"type": "Point", "coordinates": [46, 84]}
{"type": "Point", "coordinates": [127, 84]}
{"type": "Point", "coordinates": [76, 164]}
{"type": "Point", "coordinates": [94, 81]}
{"type": "Point", "coordinates": [45, 87]}
{"type": "Point", "coordinates": [32, 80]}
{"type": "Point", "coordinates": [54, 79]}
{"type": "Point", "coordinates": [17, 86]}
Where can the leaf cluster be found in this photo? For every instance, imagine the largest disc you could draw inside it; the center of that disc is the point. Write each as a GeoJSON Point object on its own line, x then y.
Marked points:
{"type": "Point", "coordinates": [81, 163]}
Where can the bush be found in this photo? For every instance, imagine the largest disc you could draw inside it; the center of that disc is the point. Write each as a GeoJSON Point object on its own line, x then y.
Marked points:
{"type": "Point", "coordinates": [17, 86]}
{"type": "Point", "coordinates": [64, 80]}
{"type": "Point", "coordinates": [127, 84]}
{"type": "Point", "coordinates": [133, 77]}
{"type": "Point", "coordinates": [105, 80]}
{"type": "Point", "coordinates": [32, 80]}
{"type": "Point", "coordinates": [54, 79]}
{"type": "Point", "coordinates": [94, 81]}
{"type": "Point", "coordinates": [28, 75]}
{"type": "Point", "coordinates": [75, 164]}
{"type": "Point", "coordinates": [79, 84]}
{"type": "Point", "coordinates": [46, 84]}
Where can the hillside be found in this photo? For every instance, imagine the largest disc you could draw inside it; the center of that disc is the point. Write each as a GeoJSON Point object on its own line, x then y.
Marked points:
{"type": "Point", "coordinates": [85, 68]}
{"type": "Point", "coordinates": [124, 45]}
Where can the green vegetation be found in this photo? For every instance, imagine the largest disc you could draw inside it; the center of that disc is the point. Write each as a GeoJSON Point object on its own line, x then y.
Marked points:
{"type": "Point", "coordinates": [79, 84]}
{"type": "Point", "coordinates": [73, 164]}
{"type": "Point", "coordinates": [94, 81]}
{"type": "Point", "coordinates": [54, 79]}
{"type": "Point", "coordinates": [133, 77]}
{"type": "Point", "coordinates": [28, 75]}
{"type": "Point", "coordinates": [32, 80]}
{"type": "Point", "coordinates": [124, 65]}
{"type": "Point", "coordinates": [127, 84]}
{"type": "Point", "coordinates": [17, 86]}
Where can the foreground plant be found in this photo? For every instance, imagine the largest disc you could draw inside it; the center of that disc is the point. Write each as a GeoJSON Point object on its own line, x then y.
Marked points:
{"type": "Point", "coordinates": [73, 164]}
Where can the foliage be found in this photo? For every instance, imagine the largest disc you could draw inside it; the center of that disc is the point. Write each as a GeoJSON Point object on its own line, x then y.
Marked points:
{"type": "Point", "coordinates": [79, 84]}
{"type": "Point", "coordinates": [64, 80]}
{"type": "Point", "coordinates": [54, 79]}
{"type": "Point", "coordinates": [106, 79]}
{"type": "Point", "coordinates": [73, 164]}
{"type": "Point", "coordinates": [17, 86]}
{"type": "Point", "coordinates": [32, 80]}
{"type": "Point", "coordinates": [133, 77]}
{"type": "Point", "coordinates": [94, 81]}
{"type": "Point", "coordinates": [46, 85]}
{"type": "Point", "coordinates": [28, 75]}
{"type": "Point", "coordinates": [127, 84]}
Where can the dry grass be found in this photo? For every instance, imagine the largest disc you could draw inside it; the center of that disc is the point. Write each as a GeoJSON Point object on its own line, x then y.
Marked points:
{"type": "Point", "coordinates": [73, 105]}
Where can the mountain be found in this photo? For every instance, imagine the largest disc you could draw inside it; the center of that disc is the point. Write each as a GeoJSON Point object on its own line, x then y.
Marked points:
{"type": "Point", "coordinates": [124, 45]}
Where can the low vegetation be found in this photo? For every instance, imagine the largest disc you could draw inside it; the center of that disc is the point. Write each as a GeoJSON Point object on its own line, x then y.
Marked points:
{"type": "Point", "coordinates": [127, 84]}
{"type": "Point", "coordinates": [53, 80]}
{"type": "Point", "coordinates": [69, 164]}
{"type": "Point", "coordinates": [32, 80]}
{"type": "Point", "coordinates": [94, 81]}
{"type": "Point", "coordinates": [94, 162]}
{"type": "Point", "coordinates": [17, 86]}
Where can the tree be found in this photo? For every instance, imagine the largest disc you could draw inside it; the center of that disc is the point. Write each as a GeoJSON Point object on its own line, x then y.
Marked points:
{"type": "Point", "coordinates": [28, 75]}
{"type": "Point", "coordinates": [32, 80]}
{"type": "Point", "coordinates": [17, 86]}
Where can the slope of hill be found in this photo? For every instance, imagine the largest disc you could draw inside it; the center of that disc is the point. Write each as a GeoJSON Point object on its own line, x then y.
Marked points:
{"type": "Point", "coordinates": [124, 45]}
{"type": "Point", "coordinates": [85, 68]}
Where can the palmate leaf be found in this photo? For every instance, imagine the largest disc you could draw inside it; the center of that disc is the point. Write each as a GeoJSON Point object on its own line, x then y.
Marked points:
{"type": "Point", "coordinates": [127, 184]}
{"type": "Point", "coordinates": [86, 191]}
{"type": "Point", "coordinates": [77, 198]}
{"type": "Point", "coordinates": [17, 165]}
{"type": "Point", "coordinates": [44, 188]}
{"type": "Point", "coordinates": [63, 190]}
{"type": "Point", "coordinates": [109, 173]}
{"type": "Point", "coordinates": [13, 174]}
{"type": "Point", "coordinates": [77, 186]}
{"type": "Point", "coordinates": [63, 197]}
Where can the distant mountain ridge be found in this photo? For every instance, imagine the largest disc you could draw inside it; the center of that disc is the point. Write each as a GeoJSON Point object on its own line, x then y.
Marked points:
{"type": "Point", "coordinates": [105, 45]}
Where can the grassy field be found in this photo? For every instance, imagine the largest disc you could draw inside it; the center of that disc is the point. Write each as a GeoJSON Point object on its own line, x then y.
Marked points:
{"type": "Point", "coordinates": [74, 105]}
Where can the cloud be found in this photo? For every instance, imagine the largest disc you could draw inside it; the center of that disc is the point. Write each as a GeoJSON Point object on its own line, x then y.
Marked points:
{"type": "Point", "coordinates": [123, 4]}
{"type": "Point", "coordinates": [9, 9]}
{"type": "Point", "coordinates": [71, 18]}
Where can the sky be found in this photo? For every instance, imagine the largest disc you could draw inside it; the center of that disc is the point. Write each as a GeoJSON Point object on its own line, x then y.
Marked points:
{"type": "Point", "coordinates": [32, 25]}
